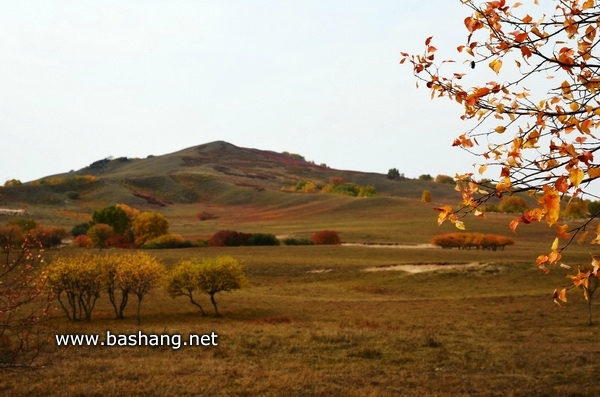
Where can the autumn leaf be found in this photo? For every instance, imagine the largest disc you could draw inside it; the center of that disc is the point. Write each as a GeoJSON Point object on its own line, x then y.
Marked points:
{"type": "Point", "coordinates": [496, 65]}
{"type": "Point", "coordinates": [550, 202]}
{"type": "Point", "coordinates": [576, 176]}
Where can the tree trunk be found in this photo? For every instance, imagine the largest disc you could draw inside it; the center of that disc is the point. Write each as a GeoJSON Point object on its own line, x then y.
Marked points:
{"type": "Point", "coordinates": [212, 299]}
{"type": "Point", "coordinates": [139, 321]}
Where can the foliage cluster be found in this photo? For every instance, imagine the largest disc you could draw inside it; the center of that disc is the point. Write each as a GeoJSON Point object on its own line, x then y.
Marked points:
{"type": "Point", "coordinates": [16, 233]}
{"type": "Point", "coordinates": [541, 140]}
{"type": "Point", "coordinates": [336, 185]}
{"type": "Point", "coordinates": [472, 240]}
{"type": "Point", "coordinates": [78, 280]}
{"type": "Point", "coordinates": [24, 302]}
{"type": "Point", "coordinates": [208, 275]}
{"type": "Point", "coordinates": [326, 237]}
{"type": "Point", "coordinates": [170, 240]}
{"type": "Point", "coordinates": [231, 238]}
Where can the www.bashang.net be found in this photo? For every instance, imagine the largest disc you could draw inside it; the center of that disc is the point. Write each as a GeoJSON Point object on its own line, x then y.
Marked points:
{"type": "Point", "coordinates": [137, 339]}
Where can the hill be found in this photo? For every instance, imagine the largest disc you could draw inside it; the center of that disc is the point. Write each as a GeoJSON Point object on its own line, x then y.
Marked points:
{"type": "Point", "coordinates": [234, 187]}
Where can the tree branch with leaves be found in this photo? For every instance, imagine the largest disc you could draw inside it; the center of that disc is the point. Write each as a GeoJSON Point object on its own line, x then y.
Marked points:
{"type": "Point", "coordinates": [538, 138]}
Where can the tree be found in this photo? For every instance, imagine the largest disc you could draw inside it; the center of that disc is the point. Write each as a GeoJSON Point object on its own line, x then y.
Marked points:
{"type": "Point", "coordinates": [99, 233]}
{"type": "Point", "coordinates": [113, 216]}
{"type": "Point", "coordinates": [393, 173]}
{"type": "Point", "coordinates": [534, 140]}
{"type": "Point", "coordinates": [139, 273]}
{"type": "Point", "coordinates": [76, 281]}
{"type": "Point", "coordinates": [25, 303]}
{"type": "Point", "coordinates": [512, 204]}
{"type": "Point", "coordinates": [426, 196]}
{"type": "Point", "coordinates": [183, 280]}
{"type": "Point", "coordinates": [149, 225]}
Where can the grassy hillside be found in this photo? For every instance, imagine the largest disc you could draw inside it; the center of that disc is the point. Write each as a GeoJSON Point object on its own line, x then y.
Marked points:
{"type": "Point", "coordinates": [243, 188]}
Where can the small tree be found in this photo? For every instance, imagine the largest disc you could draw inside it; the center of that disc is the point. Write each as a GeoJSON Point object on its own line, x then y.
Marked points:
{"type": "Point", "coordinates": [223, 273]}
{"type": "Point", "coordinates": [99, 233]}
{"type": "Point", "coordinates": [426, 196]}
{"type": "Point", "coordinates": [149, 225]}
{"type": "Point", "coordinates": [76, 281]}
{"type": "Point", "coordinates": [139, 273]}
{"type": "Point", "coordinates": [393, 173]}
{"type": "Point", "coordinates": [24, 303]}
{"type": "Point", "coordinates": [182, 280]}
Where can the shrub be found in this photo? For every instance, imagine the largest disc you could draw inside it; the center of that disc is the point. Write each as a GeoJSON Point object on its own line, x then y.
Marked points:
{"type": "Point", "coordinates": [472, 240]}
{"type": "Point", "coordinates": [393, 173]}
{"type": "Point", "coordinates": [326, 237]}
{"type": "Point", "coordinates": [296, 241]}
{"type": "Point", "coordinates": [79, 229]}
{"type": "Point", "coordinates": [261, 239]}
{"type": "Point", "coordinates": [11, 237]}
{"type": "Point", "coordinates": [444, 179]}
{"type": "Point", "coordinates": [83, 241]}
{"type": "Point", "coordinates": [206, 216]}
{"type": "Point", "coordinates": [426, 196]}
{"type": "Point", "coordinates": [119, 241]}
{"type": "Point", "coordinates": [73, 195]}
{"type": "Point", "coordinates": [512, 204]}
{"type": "Point", "coordinates": [149, 225]}
{"type": "Point", "coordinates": [25, 224]}
{"type": "Point", "coordinates": [168, 241]}
{"type": "Point", "coordinates": [227, 238]}
{"type": "Point", "coordinates": [49, 236]}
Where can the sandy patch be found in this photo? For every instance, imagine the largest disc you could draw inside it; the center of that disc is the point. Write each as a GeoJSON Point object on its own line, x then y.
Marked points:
{"type": "Point", "coordinates": [320, 271]}
{"type": "Point", "coordinates": [424, 267]}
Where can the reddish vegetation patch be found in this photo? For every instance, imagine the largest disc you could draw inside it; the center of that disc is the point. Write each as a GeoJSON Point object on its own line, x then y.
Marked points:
{"type": "Point", "coordinates": [205, 216]}
{"type": "Point", "coordinates": [152, 200]}
{"type": "Point", "coordinates": [76, 215]}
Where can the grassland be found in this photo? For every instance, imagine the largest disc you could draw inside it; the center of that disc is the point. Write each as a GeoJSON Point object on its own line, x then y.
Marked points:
{"type": "Point", "coordinates": [490, 330]}
{"type": "Point", "coordinates": [313, 322]}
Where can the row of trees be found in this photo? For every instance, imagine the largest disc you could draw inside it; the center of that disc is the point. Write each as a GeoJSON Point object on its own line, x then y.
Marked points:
{"type": "Point", "coordinates": [468, 241]}
{"type": "Point", "coordinates": [231, 238]}
{"type": "Point", "coordinates": [18, 230]}
{"type": "Point", "coordinates": [78, 281]}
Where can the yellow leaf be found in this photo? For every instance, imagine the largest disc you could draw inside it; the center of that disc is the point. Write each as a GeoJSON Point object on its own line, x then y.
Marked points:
{"type": "Point", "coordinates": [555, 244]}
{"type": "Point", "coordinates": [482, 169]}
{"type": "Point", "coordinates": [500, 129]}
{"type": "Point", "coordinates": [459, 225]}
{"type": "Point", "coordinates": [496, 65]}
{"type": "Point", "coordinates": [576, 176]}
{"type": "Point", "coordinates": [574, 106]}
{"type": "Point", "coordinates": [593, 172]}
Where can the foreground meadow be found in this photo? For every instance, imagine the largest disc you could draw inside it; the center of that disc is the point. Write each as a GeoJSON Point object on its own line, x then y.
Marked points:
{"type": "Point", "coordinates": [313, 322]}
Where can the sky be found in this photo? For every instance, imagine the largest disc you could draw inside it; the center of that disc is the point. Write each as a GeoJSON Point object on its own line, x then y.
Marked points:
{"type": "Point", "coordinates": [84, 80]}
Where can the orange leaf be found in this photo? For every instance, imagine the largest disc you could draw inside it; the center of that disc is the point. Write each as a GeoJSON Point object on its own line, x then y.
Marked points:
{"type": "Point", "coordinates": [593, 172]}
{"type": "Point", "coordinates": [551, 204]}
{"type": "Point", "coordinates": [561, 184]}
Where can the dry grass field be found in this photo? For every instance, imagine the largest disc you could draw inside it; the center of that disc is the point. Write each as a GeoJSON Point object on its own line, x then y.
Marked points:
{"type": "Point", "coordinates": [315, 323]}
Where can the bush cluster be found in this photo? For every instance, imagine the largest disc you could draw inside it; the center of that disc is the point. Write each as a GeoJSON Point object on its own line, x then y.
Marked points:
{"type": "Point", "coordinates": [13, 236]}
{"type": "Point", "coordinates": [472, 240]}
{"type": "Point", "coordinates": [231, 238]}
{"type": "Point", "coordinates": [168, 241]}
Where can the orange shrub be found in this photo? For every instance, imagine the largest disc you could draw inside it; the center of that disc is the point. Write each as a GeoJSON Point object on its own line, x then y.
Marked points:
{"type": "Point", "coordinates": [472, 240]}
{"type": "Point", "coordinates": [83, 240]}
{"type": "Point", "coordinates": [326, 237]}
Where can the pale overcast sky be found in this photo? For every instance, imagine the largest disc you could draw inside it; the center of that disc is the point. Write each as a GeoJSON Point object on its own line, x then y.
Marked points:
{"type": "Point", "coordinates": [83, 80]}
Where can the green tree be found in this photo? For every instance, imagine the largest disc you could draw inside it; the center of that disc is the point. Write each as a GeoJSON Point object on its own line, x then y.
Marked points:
{"type": "Point", "coordinates": [393, 173]}
{"type": "Point", "coordinates": [113, 216]}
{"type": "Point", "coordinates": [148, 226]}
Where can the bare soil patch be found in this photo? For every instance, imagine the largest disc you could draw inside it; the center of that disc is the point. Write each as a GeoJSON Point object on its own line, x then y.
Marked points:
{"type": "Point", "coordinates": [424, 267]}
